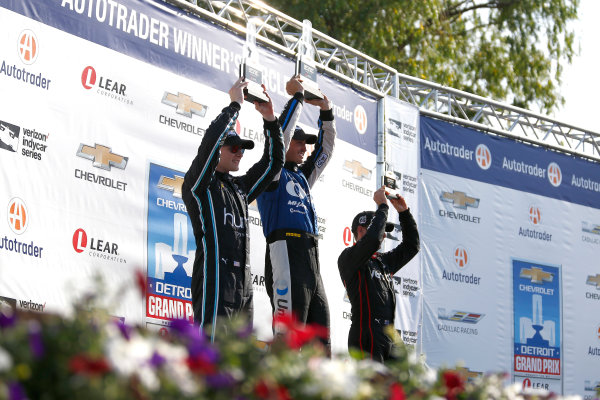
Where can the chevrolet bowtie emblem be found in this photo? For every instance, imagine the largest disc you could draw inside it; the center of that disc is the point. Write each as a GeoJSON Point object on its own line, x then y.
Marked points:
{"type": "Point", "coordinates": [537, 275]}
{"type": "Point", "coordinates": [102, 157]}
{"type": "Point", "coordinates": [594, 281]}
{"type": "Point", "coordinates": [184, 104]}
{"type": "Point", "coordinates": [459, 199]}
{"type": "Point", "coordinates": [171, 184]}
{"type": "Point", "coordinates": [357, 169]}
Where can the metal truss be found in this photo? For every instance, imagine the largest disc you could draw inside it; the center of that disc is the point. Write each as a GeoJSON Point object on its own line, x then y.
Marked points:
{"type": "Point", "coordinates": [282, 33]}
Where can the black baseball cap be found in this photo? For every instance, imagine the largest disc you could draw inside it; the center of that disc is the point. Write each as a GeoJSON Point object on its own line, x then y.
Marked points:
{"type": "Point", "coordinates": [364, 219]}
{"type": "Point", "coordinates": [233, 139]}
{"type": "Point", "coordinates": [299, 134]}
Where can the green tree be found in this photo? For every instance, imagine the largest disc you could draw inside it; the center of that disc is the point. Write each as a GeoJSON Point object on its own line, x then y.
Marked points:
{"type": "Point", "coordinates": [510, 50]}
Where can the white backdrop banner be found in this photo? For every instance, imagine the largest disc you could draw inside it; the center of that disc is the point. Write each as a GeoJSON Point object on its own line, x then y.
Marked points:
{"type": "Point", "coordinates": [510, 236]}
{"type": "Point", "coordinates": [102, 111]}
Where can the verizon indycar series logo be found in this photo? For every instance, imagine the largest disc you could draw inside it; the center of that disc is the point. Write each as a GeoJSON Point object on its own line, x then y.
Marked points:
{"type": "Point", "coordinates": [171, 248]}
{"type": "Point", "coordinates": [537, 320]}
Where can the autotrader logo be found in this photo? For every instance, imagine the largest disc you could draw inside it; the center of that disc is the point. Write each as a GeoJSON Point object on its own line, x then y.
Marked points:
{"type": "Point", "coordinates": [17, 215]}
{"type": "Point", "coordinates": [28, 47]}
{"type": "Point", "coordinates": [461, 258]}
{"type": "Point", "coordinates": [360, 119]}
{"type": "Point", "coordinates": [483, 156]}
{"type": "Point", "coordinates": [535, 216]}
{"type": "Point", "coordinates": [554, 174]}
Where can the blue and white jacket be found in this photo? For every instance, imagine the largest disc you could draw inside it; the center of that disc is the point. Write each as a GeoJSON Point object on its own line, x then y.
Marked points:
{"type": "Point", "coordinates": [286, 204]}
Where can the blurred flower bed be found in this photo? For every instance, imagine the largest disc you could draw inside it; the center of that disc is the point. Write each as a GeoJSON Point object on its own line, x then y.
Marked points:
{"type": "Point", "coordinates": [92, 355]}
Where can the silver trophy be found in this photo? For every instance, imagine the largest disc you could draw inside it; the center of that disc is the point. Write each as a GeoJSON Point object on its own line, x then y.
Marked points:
{"type": "Point", "coordinates": [250, 68]}
{"type": "Point", "coordinates": [305, 64]}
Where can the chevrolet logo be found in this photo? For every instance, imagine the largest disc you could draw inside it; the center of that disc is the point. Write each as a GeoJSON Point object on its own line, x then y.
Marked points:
{"type": "Point", "coordinates": [537, 275]}
{"type": "Point", "coordinates": [594, 280]}
{"type": "Point", "coordinates": [184, 104]}
{"type": "Point", "coordinates": [358, 171]}
{"type": "Point", "coordinates": [171, 184]}
{"type": "Point", "coordinates": [467, 373]}
{"type": "Point", "coordinates": [459, 199]}
{"type": "Point", "coordinates": [102, 157]}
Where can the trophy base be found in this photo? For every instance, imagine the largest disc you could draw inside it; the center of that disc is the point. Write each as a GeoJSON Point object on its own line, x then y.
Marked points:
{"type": "Point", "coordinates": [313, 94]}
{"type": "Point", "coordinates": [252, 95]}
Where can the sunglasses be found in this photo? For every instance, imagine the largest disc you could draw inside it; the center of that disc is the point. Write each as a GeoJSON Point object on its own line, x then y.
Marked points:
{"type": "Point", "coordinates": [235, 148]}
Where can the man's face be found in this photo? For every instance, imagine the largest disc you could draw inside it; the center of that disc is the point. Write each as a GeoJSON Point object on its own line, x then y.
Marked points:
{"type": "Point", "coordinates": [360, 232]}
{"type": "Point", "coordinates": [296, 151]}
{"type": "Point", "coordinates": [230, 158]}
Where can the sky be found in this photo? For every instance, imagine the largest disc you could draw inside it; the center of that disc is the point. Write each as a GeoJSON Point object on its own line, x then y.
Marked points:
{"type": "Point", "coordinates": [581, 79]}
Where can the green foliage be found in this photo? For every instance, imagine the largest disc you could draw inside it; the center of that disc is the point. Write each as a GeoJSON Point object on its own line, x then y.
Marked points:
{"type": "Point", "coordinates": [510, 50]}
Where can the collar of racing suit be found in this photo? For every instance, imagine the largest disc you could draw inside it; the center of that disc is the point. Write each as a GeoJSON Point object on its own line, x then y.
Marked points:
{"type": "Point", "coordinates": [290, 165]}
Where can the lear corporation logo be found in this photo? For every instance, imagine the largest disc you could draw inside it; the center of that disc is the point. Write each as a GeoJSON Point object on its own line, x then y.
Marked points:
{"type": "Point", "coordinates": [28, 47]}
{"type": "Point", "coordinates": [17, 215]}
{"type": "Point", "coordinates": [461, 257]}
{"type": "Point", "coordinates": [184, 104]}
{"type": "Point", "coordinates": [459, 199]}
{"type": "Point", "coordinates": [171, 184]}
{"type": "Point", "coordinates": [106, 86]}
{"type": "Point", "coordinates": [358, 171]}
{"type": "Point", "coordinates": [102, 156]}
{"type": "Point", "coordinates": [535, 215]}
{"type": "Point", "coordinates": [483, 156]}
{"type": "Point", "coordinates": [98, 248]}
{"type": "Point", "coordinates": [554, 174]}
{"type": "Point", "coordinates": [360, 119]}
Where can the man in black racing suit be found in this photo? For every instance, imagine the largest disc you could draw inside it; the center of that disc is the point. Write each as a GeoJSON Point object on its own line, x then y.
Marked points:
{"type": "Point", "coordinates": [217, 204]}
{"type": "Point", "coordinates": [366, 274]}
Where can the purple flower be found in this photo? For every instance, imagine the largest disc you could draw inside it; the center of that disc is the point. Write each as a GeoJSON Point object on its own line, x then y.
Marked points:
{"type": "Point", "coordinates": [16, 392]}
{"type": "Point", "coordinates": [245, 332]}
{"type": "Point", "coordinates": [204, 351]}
{"type": "Point", "coordinates": [124, 328]}
{"type": "Point", "coordinates": [220, 380]}
{"type": "Point", "coordinates": [157, 360]}
{"type": "Point", "coordinates": [36, 343]}
{"type": "Point", "coordinates": [186, 330]}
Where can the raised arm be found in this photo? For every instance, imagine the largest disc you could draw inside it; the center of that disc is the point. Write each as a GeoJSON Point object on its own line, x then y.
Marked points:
{"type": "Point", "coordinates": [357, 255]}
{"type": "Point", "coordinates": [405, 251]}
{"type": "Point", "coordinates": [320, 156]}
{"type": "Point", "coordinates": [260, 175]}
{"type": "Point", "coordinates": [203, 166]}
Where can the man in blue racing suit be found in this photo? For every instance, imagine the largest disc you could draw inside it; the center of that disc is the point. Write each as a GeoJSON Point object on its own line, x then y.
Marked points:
{"type": "Point", "coordinates": [292, 272]}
